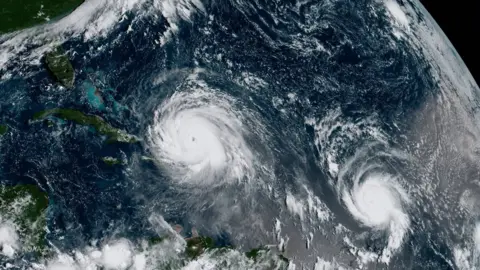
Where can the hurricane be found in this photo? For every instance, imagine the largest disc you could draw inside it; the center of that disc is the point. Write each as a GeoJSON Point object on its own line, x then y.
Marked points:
{"type": "Point", "coordinates": [199, 137]}
{"type": "Point", "coordinates": [374, 196]}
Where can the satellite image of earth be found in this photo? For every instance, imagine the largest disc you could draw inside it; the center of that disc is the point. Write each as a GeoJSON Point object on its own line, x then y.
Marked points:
{"type": "Point", "coordinates": [237, 134]}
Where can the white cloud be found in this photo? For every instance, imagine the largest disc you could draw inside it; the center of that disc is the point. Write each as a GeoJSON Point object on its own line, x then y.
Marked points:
{"type": "Point", "coordinates": [9, 240]}
{"type": "Point", "coordinates": [397, 13]}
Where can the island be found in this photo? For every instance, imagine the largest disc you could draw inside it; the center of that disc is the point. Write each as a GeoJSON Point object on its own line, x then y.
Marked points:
{"type": "Point", "coordinates": [197, 245]}
{"type": "Point", "coordinates": [59, 65]}
{"type": "Point", "coordinates": [16, 15]}
{"type": "Point", "coordinates": [3, 129]}
{"type": "Point", "coordinates": [111, 161]}
{"type": "Point", "coordinates": [102, 127]}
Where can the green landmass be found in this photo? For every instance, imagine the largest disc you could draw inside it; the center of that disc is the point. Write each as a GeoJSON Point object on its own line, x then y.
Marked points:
{"type": "Point", "coordinates": [19, 14]}
{"type": "Point", "coordinates": [59, 65]}
{"type": "Point", "coordinates": [283, 258]}
{"type": "Point", "coordinates": [196, 246]}
{"type": "Point", "coordinates": [102, 127]}
{"type": "Point", "coordinates": [261, 258]}
{"type": "Point", "coordinates": [111, 161]}
{"type": "Point", "coordinates": [253, 253]}
{"type": "Point", "coordinates": [3, 129]}
{"type": "Point", "coordinates": [25, 206]}
{"type": "Point", "coordinates": [156, 240]}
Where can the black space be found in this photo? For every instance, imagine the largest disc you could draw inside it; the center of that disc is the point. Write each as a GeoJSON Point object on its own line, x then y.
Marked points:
{"type": "Point", "coordinates": [460, 22]}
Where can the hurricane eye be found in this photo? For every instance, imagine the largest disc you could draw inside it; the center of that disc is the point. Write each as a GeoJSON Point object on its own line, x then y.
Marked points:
{"type": "Point", "coordinates": [202, 131]}
{"type": "Point", "coordinates": [377, 200]}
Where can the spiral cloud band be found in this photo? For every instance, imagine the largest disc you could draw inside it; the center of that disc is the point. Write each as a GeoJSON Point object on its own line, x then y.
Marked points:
{"type": "Point", "coordinates": [199, 138]}
{"type": "Point", "coordinates": [376, 199]}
